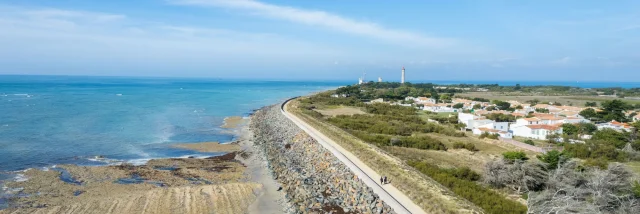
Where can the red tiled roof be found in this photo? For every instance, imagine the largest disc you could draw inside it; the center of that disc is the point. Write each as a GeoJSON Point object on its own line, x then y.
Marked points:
{"type": "Point", "coordinates": [547, 127]}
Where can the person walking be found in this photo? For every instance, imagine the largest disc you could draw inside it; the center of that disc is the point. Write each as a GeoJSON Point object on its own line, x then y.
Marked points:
{"type": "Point", "coordinates": [381, 180]}
{"type": "Point", "coordinates": [385, 179]}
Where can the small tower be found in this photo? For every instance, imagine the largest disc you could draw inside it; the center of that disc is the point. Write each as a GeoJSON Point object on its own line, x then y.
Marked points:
{"type": "Point", "coordinates": [402, 79]}
{"type": "Point", "coordinates": [379, 79]}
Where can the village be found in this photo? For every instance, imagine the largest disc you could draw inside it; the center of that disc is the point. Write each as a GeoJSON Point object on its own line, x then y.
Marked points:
{"type": "Point", "coordinates": [540, 121]}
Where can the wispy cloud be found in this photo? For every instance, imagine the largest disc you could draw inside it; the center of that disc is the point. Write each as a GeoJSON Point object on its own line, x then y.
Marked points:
{"type": "Point", "coordinates": [326, 20]}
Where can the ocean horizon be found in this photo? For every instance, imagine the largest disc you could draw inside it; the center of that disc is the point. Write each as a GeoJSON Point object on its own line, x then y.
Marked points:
{"type": "Point", "coordinates": [50, 120]}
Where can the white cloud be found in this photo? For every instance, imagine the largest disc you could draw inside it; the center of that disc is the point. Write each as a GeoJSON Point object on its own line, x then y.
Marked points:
{"type": "Point", "coordinates": [33, 38]}
{"type": "Point", "coordinates": [325, 19]}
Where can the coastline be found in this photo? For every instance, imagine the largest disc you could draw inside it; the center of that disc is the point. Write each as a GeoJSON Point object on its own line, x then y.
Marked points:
{"type": "Point", "coordinates": [241, 175]}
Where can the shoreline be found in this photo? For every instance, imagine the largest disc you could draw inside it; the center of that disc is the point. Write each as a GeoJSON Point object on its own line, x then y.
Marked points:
{"type": "Point", "coordinates": [254, 178]}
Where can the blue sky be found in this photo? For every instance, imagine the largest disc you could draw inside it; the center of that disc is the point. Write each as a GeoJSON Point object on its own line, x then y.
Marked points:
{"type": "Point", "coordinates": [328, 39]}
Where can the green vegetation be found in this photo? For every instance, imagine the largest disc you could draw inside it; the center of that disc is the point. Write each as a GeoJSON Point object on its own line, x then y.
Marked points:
{"type": "Point", "coordinates": [542, 110]}
{"type": "Point", "coordinates": [498, 117]}
{"type": "Point", "coordinates": [490, 136]}
{"type": "Point", "coordinates": [611, 110]}
{"type": "Point", "coordinates": [514, 155]}
{"type": "Point", "coordinates": [462, 184]}
{"type": "Point", "coordinates": [530, 142]}
{"type": "Point", "coordinates": [552, 158]}
{"type": "Point", "coordinates": [467, 146]}
{"type": "Point", "coordinates": [502, 105]}
{"type": "Point", "coordinates": [590, 104]}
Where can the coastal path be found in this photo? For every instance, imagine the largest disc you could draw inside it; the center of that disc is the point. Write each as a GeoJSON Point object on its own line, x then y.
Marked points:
{"type": "Point", "coordinates": [398, 201]}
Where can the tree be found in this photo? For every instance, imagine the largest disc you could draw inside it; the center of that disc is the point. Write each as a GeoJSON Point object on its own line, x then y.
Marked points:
{"type": "Point", "coordinates": [502, 105]}
{"type": "Point", "coordinates": [586, 128]}
{"type": "Point", "coordinates": [519, 107]}
{"type": "Point", "coordinates": [589, 114]}
{"type": "Point", "coordinates": [519, 176]}
{"type": "Point", "coordinates": [614, 110]}
{"type": "Point", "coordinates": [529, 141]}
{"type": "Point", "coordinates": [570, 129]}
{"type": "Point", "coordinates": [552, 158]}
{"type": "Point", "coordinates": [477, 106]}
{"type": "Point", "coordinates": [591, 104]}
{"type": "Point", "coordinates": [517, 88]}
{"type": "Point", "coordinates": [490, 108]}
{"type": "Point", "coordinates": [458, 105]}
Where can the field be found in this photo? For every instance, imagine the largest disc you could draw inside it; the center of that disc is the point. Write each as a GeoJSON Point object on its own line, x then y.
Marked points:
{"type": "Point", "coordinates": [339, 110]}
{"type": "Point", "coordinates": [566, 100]}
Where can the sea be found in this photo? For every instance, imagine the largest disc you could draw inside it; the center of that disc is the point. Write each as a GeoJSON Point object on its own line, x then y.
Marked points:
{"type": "Point", "coordinates": [51, 120]}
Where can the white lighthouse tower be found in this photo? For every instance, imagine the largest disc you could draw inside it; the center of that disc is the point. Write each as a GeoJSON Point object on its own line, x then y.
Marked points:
{"type": "Point", "coordinates": [402, 80]}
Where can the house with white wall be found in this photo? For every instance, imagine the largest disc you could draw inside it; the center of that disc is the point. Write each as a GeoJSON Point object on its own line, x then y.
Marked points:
{"type": "Point", "coordinates": [472, 124]}
{"type": "Point", "coordinates": [466, 117]}
{"type": "Point", "coordinates": [615, 125]}
{"type": "Point", "coordinates": [440, 107]}
{"type": "Point", "coordinates": [536, 131]}
{"type": "Point", "coordinates": [636, 118]}
{"type": "Point", "coordinates": [502, 134]}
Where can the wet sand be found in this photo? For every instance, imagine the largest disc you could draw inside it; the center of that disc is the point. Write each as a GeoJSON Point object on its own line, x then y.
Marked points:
{"type": "Point", "coordinates": [233, 122]}
{"type": "Point", "coordinates": [210, 147]}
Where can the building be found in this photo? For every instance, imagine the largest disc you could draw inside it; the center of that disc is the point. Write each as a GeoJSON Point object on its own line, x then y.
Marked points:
{"type": "Point", "coordinates": [502, 134]}
{"type": "Point", "coordinates": [536, 131]}
{"type": "Point", "coordinates": [615, 125]}
{"type": "Point", "coordinates": [636, 118]}
{"type": "Point", "coordinates": [379, 79]}
{"type": "Point", "coordinates": [402, 79]}
{"type": "Point", "coordinates": [439, 107]}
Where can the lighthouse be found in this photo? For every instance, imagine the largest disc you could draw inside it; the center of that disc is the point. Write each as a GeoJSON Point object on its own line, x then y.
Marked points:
{"type": "Point", "coordinates": [402, 79]}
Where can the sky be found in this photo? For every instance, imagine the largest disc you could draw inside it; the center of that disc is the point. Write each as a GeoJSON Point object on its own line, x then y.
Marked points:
{"type": "Point", "coordinates": [477, 40]}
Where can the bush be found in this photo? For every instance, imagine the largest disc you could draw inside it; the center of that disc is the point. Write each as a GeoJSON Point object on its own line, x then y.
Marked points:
{"type": "Point", "coordinates": [493, 136]}
{"type": "Point", "coordinates": [459, 183]}
{"type": "Point", "coordinates": [514, 155]}
{"type": "Point", "coordinates": [467, 146]}
{"type": "Point", "coordinates": [530, 142]}
{"type": "Point", "coordinates": [552, 158]}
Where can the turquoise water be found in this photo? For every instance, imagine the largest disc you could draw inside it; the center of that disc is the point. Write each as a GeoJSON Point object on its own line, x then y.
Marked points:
{"type": "Point", "coordinates": [48, 120]}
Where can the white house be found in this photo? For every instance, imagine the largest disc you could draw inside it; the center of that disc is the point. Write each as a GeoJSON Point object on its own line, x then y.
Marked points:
{"type": "Point", "coordinates": [503, 134]}
{"type": "Point", "coordinates": [441, 107]}
{"type": "Point", "coordinates": [466, 117]}
{"type": "Point", "coordinates": [574, 120]}
{"type": "Point", "coordinates": [424, 100]}
{"type": "Point", "coordinates": [500, 126]}
{"type": "Point", "coordinates": [615, 125]}
{"type": "Point", "coordinates": [536, 131]}
{"type": "Point", "coordinates": [528, 121]}
{"type": "Point", "coordinates": [636, 118]}
{"type": "Point", "coordinates": [472, 124]}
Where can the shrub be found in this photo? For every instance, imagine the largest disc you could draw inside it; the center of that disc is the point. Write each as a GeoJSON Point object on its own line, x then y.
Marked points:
{"type": "Point", "coordinates": [514, 155]}
{"type": "Point", "coordinates": [467, 146]}
{"type": "Point", "coordinates": [493, 136]}
{"type": "Point", "coordinates": [459, 183]}
{"type": "Point", "coordinates": [552, 158]}
{"type": "Point", "coordinates": [530, 142]}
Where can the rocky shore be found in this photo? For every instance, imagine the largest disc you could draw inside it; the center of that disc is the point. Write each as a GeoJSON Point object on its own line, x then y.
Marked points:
{"type": "Point", "coordinates": [313, 180]}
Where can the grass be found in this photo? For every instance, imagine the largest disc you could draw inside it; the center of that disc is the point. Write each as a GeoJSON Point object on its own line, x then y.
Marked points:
{"type": "Point", "coordinates": [425, 115]}
{"type": "Point", "coordinates": [422, 190]}
{"type": "Point", "coordinates": [634, 166]}
{"type": "Point", "coordinates": [333, 111]}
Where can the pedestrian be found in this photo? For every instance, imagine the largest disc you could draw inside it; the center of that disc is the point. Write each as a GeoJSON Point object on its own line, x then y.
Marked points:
{"type": "Point", "coordinates": [385, 179]}
{"type": "Point", "coordinates": [381, 180]}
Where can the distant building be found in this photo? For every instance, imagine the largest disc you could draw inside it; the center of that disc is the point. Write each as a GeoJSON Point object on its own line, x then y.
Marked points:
{"type": "Point", "coordinates": [379, 79]}
{"type": "Point", "coordinates": [402, 79]}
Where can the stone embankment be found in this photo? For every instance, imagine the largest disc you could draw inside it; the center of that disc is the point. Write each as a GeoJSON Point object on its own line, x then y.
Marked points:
{"type": "Point", "coordinates": [313, 180]}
